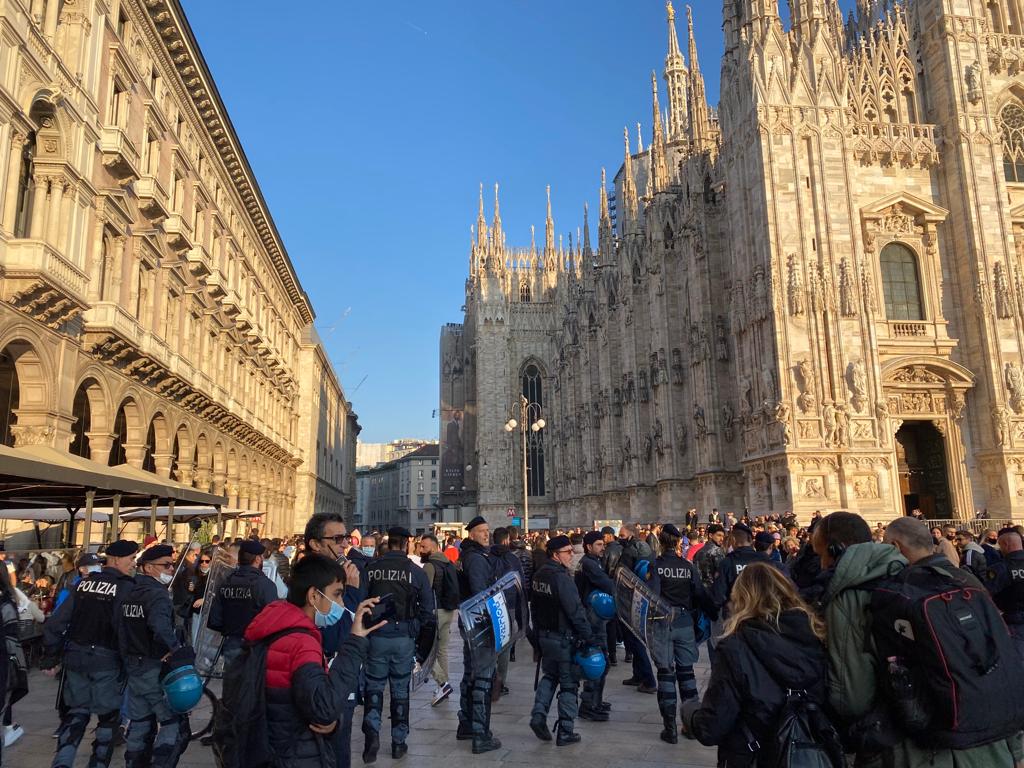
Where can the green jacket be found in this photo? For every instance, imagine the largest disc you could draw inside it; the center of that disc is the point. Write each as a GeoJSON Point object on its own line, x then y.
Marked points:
{"type": "Point", "coordinates": [853, 668]}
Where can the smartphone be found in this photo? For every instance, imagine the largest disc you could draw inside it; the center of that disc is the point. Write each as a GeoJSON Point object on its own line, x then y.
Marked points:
{"type": "Point", "coordinates": [385, 610]}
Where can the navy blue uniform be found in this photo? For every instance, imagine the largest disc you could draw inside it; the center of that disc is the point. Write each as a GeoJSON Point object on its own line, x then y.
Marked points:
{"type": "Point", "coordinates": [477, 571]}
{"type": "Point", "coordinates": [561, 625]}
{"type": "Point", "coordinates": [591, 577]}
{"type": "Point", "coordinates": [84, 629]}
{"type": "Point", "coordinates": [1005, 580]}
{"type": "Point", "coordinates": [242, 595]}
{"type": "Point", "coordinates": [729, 570]}
{"type": "Point", "coordinates": [157, 735]}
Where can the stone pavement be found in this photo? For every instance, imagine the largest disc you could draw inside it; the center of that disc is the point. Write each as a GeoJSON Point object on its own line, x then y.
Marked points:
{"type": "Point", "coordinates": [628, 739]}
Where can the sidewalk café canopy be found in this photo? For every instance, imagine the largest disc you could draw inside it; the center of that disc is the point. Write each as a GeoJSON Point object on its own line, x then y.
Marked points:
{"type": "Point", "coordinates": [47, 477]}
{"type": "Point", "coordinates": [55, 515]}
{"type": "Point", "coordinates": [181, 514]}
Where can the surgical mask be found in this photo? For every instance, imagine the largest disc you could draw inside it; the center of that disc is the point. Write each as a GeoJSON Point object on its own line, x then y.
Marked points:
{"type": "Point", "coordinates": [93, 568]}
{"type": "Point", "coordinates": [368, 551]}
{"type": "Point", "coordinates": [166, 578]}
{"type": "Point", "coordinates": [329, 619]}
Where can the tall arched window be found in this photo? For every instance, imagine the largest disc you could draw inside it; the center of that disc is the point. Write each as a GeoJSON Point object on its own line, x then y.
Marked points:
{"type": "Point", "coordinates": [533, 391]}
{"type": "Point", "coordinates": [1012, 117]}
{"type": "Point", "coordinates": [901, 283]}
{"type": "Point", "coordinates": [524, 293]}
{"type": "Point", "coordinates": [23, 210]}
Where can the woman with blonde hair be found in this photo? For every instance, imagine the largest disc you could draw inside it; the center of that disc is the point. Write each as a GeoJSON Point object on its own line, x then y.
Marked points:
{"type": "Point", "coordinates": [773, 643]}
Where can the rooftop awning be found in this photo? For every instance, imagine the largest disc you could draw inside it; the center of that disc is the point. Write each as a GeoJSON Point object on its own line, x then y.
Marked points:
{"type": "Point", "coordinates": [49, 515]}
{"type": "Point", "coordinates": [39, 475]}
{"type": "Point", "coordinates": [181, 514]}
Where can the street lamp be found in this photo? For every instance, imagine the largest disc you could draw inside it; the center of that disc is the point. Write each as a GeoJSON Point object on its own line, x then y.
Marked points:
{"type": "Point", "coordinates": [527, 411]}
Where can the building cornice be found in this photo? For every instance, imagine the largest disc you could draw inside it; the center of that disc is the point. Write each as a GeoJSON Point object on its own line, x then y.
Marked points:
{"type": "Point", "coordinates": [175, 35]}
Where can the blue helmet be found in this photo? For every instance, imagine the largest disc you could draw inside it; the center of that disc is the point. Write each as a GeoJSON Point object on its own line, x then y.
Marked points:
{"type": "Point", "coordinates": [592, 662]}
{"type": "Point", "coordinates": [642, 569]}
{"type": "Point", "coordinates": [183, 688]}
{"type": "Point", "coordinates": [602, 604]}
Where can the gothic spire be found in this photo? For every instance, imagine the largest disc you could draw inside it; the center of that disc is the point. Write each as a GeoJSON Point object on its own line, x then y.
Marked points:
{"type": "Point", "coordinates": [604, 225]}
{"type": "Point", "coordinates": [700, 124]}
{"type": "Point", "coordinates": [675, 80]}
{"type": "Point", "coordinates": [549, 228]}
{"type": "Point", "coordinates": [481, 222]}
{"type": "Point", "coordinates": [631, 204]}
{"type": "Point", "coordinates": [639, 139]}
{"type": "Point", "coordinates": [658, 166]}
{"type": "Point", "coordinates": [497, 235]}
{"type": "Point", "coordinates": [588, 252]}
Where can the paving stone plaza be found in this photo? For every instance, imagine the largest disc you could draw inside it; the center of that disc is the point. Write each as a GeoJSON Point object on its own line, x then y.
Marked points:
{"type": "Point", "coordinates": [628, 739]}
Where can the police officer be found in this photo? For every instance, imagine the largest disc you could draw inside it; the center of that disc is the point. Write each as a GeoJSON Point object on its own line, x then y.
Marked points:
{"type": "Point", "coordinates": [242, 595]}
{"type": "Point", "coordinates": [157, 735]}
{"type": "Point", "coordinates": [591, 577]}
{"type": "Point", "coordinates": [561, 626]}
{"type": "Point", "coordinates": [393, 647]}
{"type": "Point", "coordinates": [477, 571]}
{"type": "Point", "coordinates": [612, 553]}
{"type": "Point", "coordinates": [635, 549]}
{"type": "Point", "coordinates": [678, 582]}
{"type": "Point", "coordinates": [83, 629]}
{"type": "Point", "coordinates": [1005, 580]}
{"type": "Point", "coordinates": [729, 569]}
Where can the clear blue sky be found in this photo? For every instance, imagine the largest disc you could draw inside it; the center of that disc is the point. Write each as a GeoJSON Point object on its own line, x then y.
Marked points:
{"type": "Point", "coordinates": [370, 126]}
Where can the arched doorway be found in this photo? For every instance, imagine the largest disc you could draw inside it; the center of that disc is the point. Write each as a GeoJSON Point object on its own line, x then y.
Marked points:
{"type": "Point", "coordinates": [922, 471]}
{"type": "Point", "coordinates": [9, 397]}
{"type": "Point", "coordinates": [118, 455]}
{"type": "Point", "coordinates": [81, 413]}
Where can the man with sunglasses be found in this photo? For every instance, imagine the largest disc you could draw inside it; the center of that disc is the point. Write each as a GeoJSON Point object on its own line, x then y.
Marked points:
{"type": "Point", "coordinates": [560, 624]}
{"type": "Point", "coordinates": [157, 735]}
{"type": "Point", "coordinates": [241, 596]}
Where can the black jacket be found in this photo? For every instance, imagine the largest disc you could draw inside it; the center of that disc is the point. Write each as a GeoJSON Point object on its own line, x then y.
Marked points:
{"type": "Point", "coordinates": [751, 667]}
{"type": "Point", "coordinates": [477, 569]}
{"type": "Point", "coordinates": [525, 557]}
{"type": "Point", "coordinates": [729, 570]}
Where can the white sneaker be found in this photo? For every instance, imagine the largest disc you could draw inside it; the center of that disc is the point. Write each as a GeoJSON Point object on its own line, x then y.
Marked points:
{"type": "Point", "coordinates": [12, 733]}
{"type": "Point", "coordinates": [442, 693]}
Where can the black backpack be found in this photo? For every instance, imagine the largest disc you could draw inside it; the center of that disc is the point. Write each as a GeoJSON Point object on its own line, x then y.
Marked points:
{"type": "Point", "coordinates": [803, 735]}
{"type": "Point", "coordinates": [448, 588]}
{"type": "Point", "coordinates": [240, 735]}
{"type": "Point", "coordinates": [950, 669]}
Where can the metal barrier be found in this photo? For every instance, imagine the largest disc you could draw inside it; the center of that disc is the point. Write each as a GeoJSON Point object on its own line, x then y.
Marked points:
{"type": "Point", "coordinates": [975, 526]}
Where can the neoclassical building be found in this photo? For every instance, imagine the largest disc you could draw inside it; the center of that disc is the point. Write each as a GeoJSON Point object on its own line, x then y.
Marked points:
{"type": "Point", "coordinates": [149, 312]}
{"type": "Point", "coordinates": [809, 298]}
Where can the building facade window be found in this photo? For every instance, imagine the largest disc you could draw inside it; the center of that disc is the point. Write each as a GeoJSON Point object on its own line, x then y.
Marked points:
{"type": "Point", "coordinates": [901, 283]}
{"type": "Point", "coordinates": [524, 293]}
{"type": "Point", "coordinates": [1012, 117]}
{"type": "Point", "coordinates": [533, 391]}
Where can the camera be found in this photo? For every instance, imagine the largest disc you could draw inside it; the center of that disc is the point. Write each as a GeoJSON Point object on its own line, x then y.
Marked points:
{"type": "Point", "coordinates": [385, 610]}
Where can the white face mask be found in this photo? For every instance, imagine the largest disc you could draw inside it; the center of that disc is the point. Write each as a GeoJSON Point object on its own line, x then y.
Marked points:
{"type": "Point", "coordinates": [166, 578]}
{"type": "Point", "coordinates": [93, 568]}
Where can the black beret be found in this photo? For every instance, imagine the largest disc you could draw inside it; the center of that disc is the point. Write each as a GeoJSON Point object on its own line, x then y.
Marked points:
{"type": "Point", "coordinates": [558, 542]}
{"type": "Point", "coordinates": [608, 529]}
{"type": "Point", "coordinates": [398, 532]}
{"type": "Point", "coordinates": [591, 536]}
{"type": "Point", "coordinates": [475, 522]}
{"type": "Point", "coordinates": [122, 548]}
{"type": "Point", "coordinates": [741, 528]}
{"type": "Point", "coordinates": [671, 530]}
{"type": "Point", "coordinates": [251, 547]}
{"type": "Point", "coordinates": [765, 539]}
{"type": "Point", "coordinates": [154, 553]}
{"type": "Point", "coordinates": [88, 558]}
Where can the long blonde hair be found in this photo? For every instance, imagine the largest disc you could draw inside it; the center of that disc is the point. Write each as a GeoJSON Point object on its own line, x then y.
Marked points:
{"type": "Point", "coordinates": [763, 593]}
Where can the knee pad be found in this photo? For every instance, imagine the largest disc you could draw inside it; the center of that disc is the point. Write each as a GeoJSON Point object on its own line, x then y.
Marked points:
{"type": "Point", "coordinates": [109, 719]}
{"type": "Point", "coordinates": [400, 710]}
{"type": "Point", "coordinates": [374, 700]}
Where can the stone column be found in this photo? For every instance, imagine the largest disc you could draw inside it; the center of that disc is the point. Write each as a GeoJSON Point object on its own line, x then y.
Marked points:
{"type": "Point", "coordinates": [218, 483]}
{"type": "Point", "coordinates": [135, 454]}
{"type": "Point", "coordinates": [202, 481]}
{"type": "Point", "coordinates": [50, 20]}
{"type": "Point", "coordinates": [53, 216]}
{"type": "Point", "coordinates": [99, 446]}
{"type": "Point", "coordinates": [95, 267]}
{"type": "Point", "coordinates": [185, 472]}
{"type": "Point", "coordinates": [163, 462]}
{"type": "Point", "coordinates": [13, 172]}
{"type": "Point", "coordinates": [123, 273]}
{"type": "Point", "coordinates": [38, 202]}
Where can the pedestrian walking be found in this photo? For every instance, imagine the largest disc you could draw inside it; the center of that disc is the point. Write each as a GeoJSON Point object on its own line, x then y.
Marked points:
{"type": "Point", "coordinates": [444, 580]}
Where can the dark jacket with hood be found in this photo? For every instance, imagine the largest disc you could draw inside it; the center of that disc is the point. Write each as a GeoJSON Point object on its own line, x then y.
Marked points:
{"type": "Point", "coordinates": [751, 667]}
{"type": "Point", "coordinates": [300, 690]}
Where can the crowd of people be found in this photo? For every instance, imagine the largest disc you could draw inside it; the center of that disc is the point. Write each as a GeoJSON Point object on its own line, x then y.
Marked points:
{"type": "Point", "coordinates": [872, 644]}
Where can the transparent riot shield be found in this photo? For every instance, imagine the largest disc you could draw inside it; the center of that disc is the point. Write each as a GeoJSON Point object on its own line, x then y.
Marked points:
{"type": "Point", "coordinates": [421, 671]}
{"type": "Point", "coordinates": [493, 619]}
{"type": "Point", "coordinates": [645, 615]}
{"type": "Point", "coordinates": [208, 641]}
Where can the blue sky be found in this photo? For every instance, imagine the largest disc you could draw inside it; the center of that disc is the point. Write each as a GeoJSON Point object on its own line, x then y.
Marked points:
{"type": "Point", "coordinates": [370, 126]}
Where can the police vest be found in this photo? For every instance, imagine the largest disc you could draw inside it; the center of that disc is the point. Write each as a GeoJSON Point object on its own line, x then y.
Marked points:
{"type": "Point", "coordinates": [393, 575]}
{"type": "Point", "coordinates": [734, 563]}
{"type": "Point", "coordinates": [92, 615]}
{"type": "Point", "coordinates": [676, 576]}
{"type": "Point", "coordinates": [545, 606]}
{"type": "Point", "coordinates": [1010, 598]}
{"type": "Point", "coordinates": [136, 639]}
{"type": "Point", "coordinates": [238, 598]}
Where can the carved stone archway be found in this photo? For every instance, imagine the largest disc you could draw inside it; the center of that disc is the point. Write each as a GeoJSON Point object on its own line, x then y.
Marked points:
{"type": "Point", "coordinates": [932, 389]}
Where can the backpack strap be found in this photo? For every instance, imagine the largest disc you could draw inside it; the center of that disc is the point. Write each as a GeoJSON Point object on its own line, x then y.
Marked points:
{"type": "Point", "coordinates": [273, 637]}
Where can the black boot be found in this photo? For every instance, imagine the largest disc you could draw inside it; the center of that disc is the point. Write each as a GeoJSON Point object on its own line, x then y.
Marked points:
{"type": "Point", "coordinates": [593, 714]}
{"type": "Point", "coordinates": [398, 750]}
{"type": "Point", "coordinates": [539, 726]}
{"type": "Point", "coordinates": [605, 706]}
{"type": "Point", "coordinates": [465, 732]}
{"type": "Point", "coordinates": [485, 743]}
{"type": "Point", "coordinates": [371, 745]}
{"type": "Point", "coordinates": [668, 734]}
{"type": "Point", "coordinates": [565, 735]}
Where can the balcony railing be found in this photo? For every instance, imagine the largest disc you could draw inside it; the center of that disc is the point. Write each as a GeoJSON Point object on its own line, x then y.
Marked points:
{"type": "Point", "coordinates": [108, 316]}
{"type": "Point", "coordinates": [34, 258]}
{"type": "Point", "coordinates": [198, 261]}
{"type": "Point", "coordinates": [178, 231]}
{"type": "Point", "coordinates": [901, 330]}
{"type": "Point", "coordinates": [120, 155]}
{"type": "Point", "coordinates": [152, 197]}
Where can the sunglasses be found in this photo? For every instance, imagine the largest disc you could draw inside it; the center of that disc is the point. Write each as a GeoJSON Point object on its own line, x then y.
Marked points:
{"type": "Point", "coordinates": [206, 560]}
{"type": "Point", "coordinates": [337, 539]}
{"type": "Point", "coordinates": [165, 566]}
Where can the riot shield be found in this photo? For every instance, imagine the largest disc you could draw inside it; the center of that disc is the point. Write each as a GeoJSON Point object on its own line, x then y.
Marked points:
{"type": "Point", "coordinates": [421, 671]}
{"type": "Point", "coordinates": [645, 615]}
{"type": "Point", "coordinates": [493, 619]}
{"type": "Point", "coordinates": [208, 641]}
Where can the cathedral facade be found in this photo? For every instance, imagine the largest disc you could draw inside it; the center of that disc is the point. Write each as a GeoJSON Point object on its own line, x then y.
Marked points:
{"type": "Point", "coordinates": [811, 298]}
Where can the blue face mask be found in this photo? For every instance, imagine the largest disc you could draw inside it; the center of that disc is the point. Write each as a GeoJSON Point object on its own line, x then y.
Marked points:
{"type": "Point", "coordinates": [329, 619]}
{"type": "Point", "coordinates": [368, 551]}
